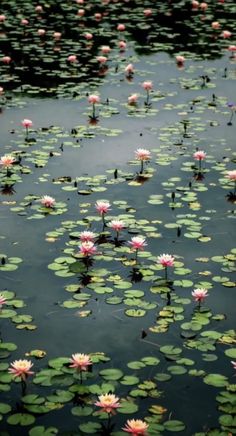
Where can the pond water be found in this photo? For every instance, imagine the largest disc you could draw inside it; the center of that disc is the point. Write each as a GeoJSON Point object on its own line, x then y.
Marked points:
{"type": "Point", "coordinates": [168, 358]}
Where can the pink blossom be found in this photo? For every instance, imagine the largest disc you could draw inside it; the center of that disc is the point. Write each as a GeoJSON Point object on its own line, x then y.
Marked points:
{"type": "Point", "coordinates": [180, 59]}
{"type": "Point", "coordinates": [2, 18]}
{"type": "Point", "coordinates": [86, 236]}
{"type": "Point", "coordinates": [226, 34]}
{"type": "Point", "coordinates": [7, 161]}
{"type": "Point", "coordinates": [121, 27]}
{"type": "Point", "coordinates": [137, 243]}
{"type": "Point", "coordinates": [93, 98]}
{"type": "Point", "coordinates": [1, 90]}
{"type": "Point", "coordinates": [147, 12]}
{"type": "Point", "coordinates": [21, 368]}
{"type": "Point", "coordinates": [6, 59]}
{"type": "Point", "coordinates": [41, 32]}
{"type": "Point", "coordinates": [102, 206]}
{"type": "Point", "coordinates": [231, 175]}
{"type": "Point", "coordinates": [72, 59]}
{"type": "Point", "coordinates": [98, 16]}
{"type": "Point", "coordinates": [199, 155]}
{"type": "Point", "coordinates": [117, 225]}
{"type": "Point", "coordinates": [122, 45]}
{"type": "Point", "coordinates": [215, 25]}
{"type": "Point", "coordinates": [81, 12]}
{"type": "Point", "coordinates": [166, 260]}
{"type": "Point", "coordinates": [129, 69]}
{"type": "Point", "coordinates": [132, 99]}
{"type": "Point", "coordinates": [26, 123]}
{"type": "Point", "coordinates": [232, 48]}
{"type": "Point", "coordinates": [195, 4]}
{"type": "Point", "coordinates": [80, 361]}
{"type": "Point", "coordinates": [2, 300]}
{"type": "Point", "coordinates": [101, 59]}
{"type": "Point", "coordinates": [57, 36]}
{"type": "Point", "coordinates": [147, 85]}
{"type": "Point", "coordinates": [142, 154]}
{"type": "Point", "coordinates": [234, 364]}
{"type": "Point", "coordinates": [24, 21]}
{"type": "Point", "coordinates": [108, 403]}
{"type": "Point", "coordinates": [38, 9]}
{"type": "Point", "coordinates": [105, 49]}
{"type": "Point", "coordinates": [87, 249]}
{"type": "Point", "coordinates": [203, 6]}
{"type": "Point", "coordinates": [48, 201]}
{"type": "Point", "coordinates": [199, 294]}
{"type": "Point", "coordinates": [136, 427]}
{"type": "Point", "coordinates": [88, 36]}
{"type": "Point", "coordinates": [80, 2]}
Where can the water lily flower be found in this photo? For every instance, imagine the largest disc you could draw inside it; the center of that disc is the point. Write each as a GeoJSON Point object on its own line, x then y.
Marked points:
{"type": "Point", "coordinates": [199, 155]}
{"type": "Point", "coordinates": [7, 161]}
{"type": "Point", "coordinates": [102, 59]}
{"type": "Point", "coordinates": [226, 34]}
{"type": "Point", "coordinates": [232, 48]}
{"type": "Point", "coordinates": [117, 225]}
{"type": "Point", "coordinates": [25, 22]}
{"type": "Point", "coordinates": [88, 36]}
{"type": "Point", "coordinates": [231, 175]}
{"type": "Point", "coordinates": [21, 368]}
{"type": "Point", "coordinates": [147, 12]}
{"type": "Point", "coordinates": [108, 403]}
{"type": "Point", "coordinates": [93, 99]}
{"type": "Point", "coordinates": [81, 12]}
{"type": "Point", "coordinates": [142, 154]}
{"type": "Point", "coordinates": [80, 361]}
{"type": "Point", "coordinates": [166, 260]}
{"type": "Point", "coordinates": [57, 36]}
{"type": "Point", "coordinates": [41, 32]}
{"type": "Point", "coordinates": [102, 206]}
{"type": "Point", "coordinates": [132, 99]}
{"type": "Point", "coordinates": [2, 18]}
{"type": "Point", "coordinates": [98, 16]}
{"type": "Point", "coordinates": [6, 60]}
{"type": "Point", "coordinates": [195, 4]}
{"type": "Point", "coordinates": [1, 90]}
{"type": "Point", "coordinates": [2, 300]}
{"type": "Point", "coordinates": [122, 45]}
{"type": "Point", "coordinates": [234, 364]}
{"type": "Point", "coordinates": [48, 201]}
{"type": "Point", "coordinates": [38, 9]}
{"type": "Point", "coordinates": [72, 59]}
{"type": "Point", "coordinates": [129, 70]}
{"type": "Point", "coordinates": [105, 49]}
{"type": "Point", "coordinates": [215, 25]}
{"type": "Point", "coordinates": [203, 6]}
{"type": "Point", "coordinates": [137, 243]}
{"type": "Point", "coordinates": [180, 60]}
{"type": "Point", "coordinates": [136, 427]}
{"type": "Point", "coordinates": [86, 236]}
{"type": "Point", "coordinates": [121, 27]}
{"type": "Point", "coordinates": [147, 85]}
{"type": "Point", "coordinates": [199, 294]}
{"type": "Point", "coordinates": [87, 249]}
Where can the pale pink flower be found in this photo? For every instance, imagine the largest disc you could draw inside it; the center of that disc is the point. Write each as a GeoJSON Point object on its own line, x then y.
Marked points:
{"type": "Point", "coordinates": [180, 59]}
{"type": "Point", "coordinates": [88, 36]}
{"type": "Point", "coordinates": [38, 9]}
{"type": "Point", "coordinates": [132, 99]}
{"type": "Point", "coordinates": [136, 427]}
{"type": "Point", "coordinates": [80, 2]}
{"type": "Point", "coordinates": [25, 22]}
{"type": "Point", "coordinates": [199, 294]}
{"type": "Point", "coordinates": [7, 161]}
{"type": "Point", "coordinates": [129, 69]}
{"type": "Point", "coordinates": [101, 59]}
{"type": "Point", "coordinates": [215, 25]}
{"type": "Point", "coordinates": [121, 27]}
{"type": "Point", "coordinates": [81, 12]}
{"type": "Point", "coordinates": [41, 32]}
{"type": "Point", "coordinates": [137, 243]}
{"type": "Point", "coordinates": [1, 90]}
{"type": "Point", "coordinates": [147, 12]}
{"type": "Point", "coordinates": [142, 154]}
{"type": "Point", "coordinates": [117, 225]}
{"type": "Point", "coordinates": [166, 260]}
{"type": "Point", "coordinates": [122, 45]}
{"type": "Point", "coordinates": [87, 249]}
{"type": "Point", "coordinates": [195, 4]}
{"type": "Point", "coordinates": [203, 6]}
{"type": "Point", "coordinates": [2, 18]}
{"type": "Point", "coordinates": [98, 16]}
{"type": "Point", "coordinates": [108, 403]}
{"type": "Point", "coordinates": [2, 300]}
{"type": "Point", "coordinates": [147, 85]}
{"type": "Point", "coordinates": [26, 123]}
{"type": "Point", "coordinates": [48, 201]}
{"type": "Point", "coordinates": [226, 34]}
{"type": "Point", "coordinates": [72, 59]}
{"type": "Point", "coordinates": [234, 364]}
{"type": "Point", "coordinates": [199, 155]}
{"type": "Point", "coordinates": [86, 236]}
{"type": "Point", "coordinates": [6, 59]}
{"type": "Point", "coordinates": [102, 206]}
{"type": "Point", "coordinates": [105, 49]}
{"type": "Point", "coordinates": [80, 361]}
{"type": "Point", "coordinates": [232, 48]}
{"type": "Point", "coordinates": [93, 98]}
{"type": "Point", "coordinates": [231, 175]}
{"type": "Point", "coordinates": [21, 368]}
{"type": "Point", "coordinates": [57, 36]}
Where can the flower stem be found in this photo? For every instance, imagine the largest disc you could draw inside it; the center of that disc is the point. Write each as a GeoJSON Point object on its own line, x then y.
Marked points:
{"type": "Point", "coordinates": [166, 278]}
{"type": "Point", "coordinates": [93, 116]}
{"type": "Point", "coordinates": [141, 169]}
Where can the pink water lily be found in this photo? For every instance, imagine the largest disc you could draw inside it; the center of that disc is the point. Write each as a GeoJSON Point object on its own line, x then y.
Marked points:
{"type": "Point", "coordinates": [7, 161]}
{"type": "Point", "coordinates": [102, 206]}
{"type": "Point", "coordinates": [122, 45]}
{"type": "Point", "coordinates": [108, 403]}
{"type": "Point", "coordinates": [86, 236]}
{"type": "Point", "coordinates": [143, 155]}
{"type": "Point", "coordinates": [48, 201]}
{"type": "Point", "coordinates": [199, 155]}
{"type": "Point", "coordinates": [6, 60]}
{"type": "Point", "coordinates": [88, 248]}
{"type": "Point", "coordinates": [147, 85]}
{"type": "Point", "coordinates": [234, 364]}
{"type": "Point", "coordinates": [121, 27]}
{"type": "Point", "coordinates": [166, 260]}
{"type": "Point", "coordinates": [72, 59]}
{"type": "Point", "coordinates": [2, 300]}
{"type": "Point", "coordinates": [199, 294]}
{"type": "Point", "coordinates": [80, 361]}
{"type": "Point", "coordinates": [137, 243]}
{"type": "Point", "coordinates": [21, 368]}
{"type": "Point", "coordinates": [136, 427]}
{"type": "Point", "coordinates": [132, 99]}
